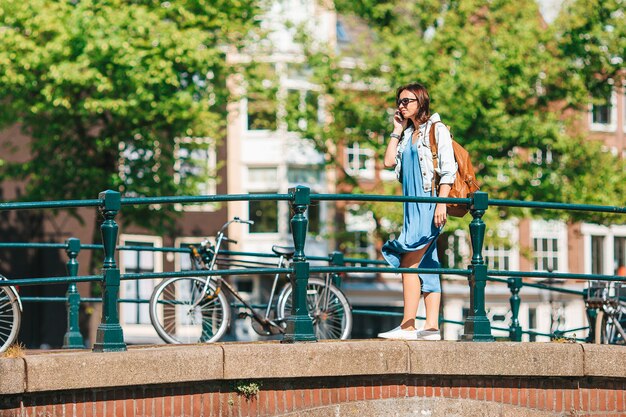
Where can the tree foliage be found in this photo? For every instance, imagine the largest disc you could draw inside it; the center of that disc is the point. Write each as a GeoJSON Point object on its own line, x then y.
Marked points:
{"type": "Point", "coordinates": [498, 75]}
{"type": "Point", "coordinates": [105, 87]}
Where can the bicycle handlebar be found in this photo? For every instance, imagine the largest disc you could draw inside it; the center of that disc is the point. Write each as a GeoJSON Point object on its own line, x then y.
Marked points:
{"type": "Point", "coordinates": [234, 220]}
{"type": "Point", "coordinates": [238, 220]}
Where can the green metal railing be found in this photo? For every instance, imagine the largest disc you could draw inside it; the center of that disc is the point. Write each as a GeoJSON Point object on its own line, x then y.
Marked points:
{"type": "Point", "coordinates": [299, 325]}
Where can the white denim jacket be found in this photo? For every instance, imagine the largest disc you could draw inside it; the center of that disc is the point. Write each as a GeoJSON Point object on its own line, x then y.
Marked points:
{"type": "Point", "coordinates": [447, 165]}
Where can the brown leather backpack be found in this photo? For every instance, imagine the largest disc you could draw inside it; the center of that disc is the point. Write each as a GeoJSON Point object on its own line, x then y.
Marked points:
{"type": "Point", "coordinates": [465, 182]}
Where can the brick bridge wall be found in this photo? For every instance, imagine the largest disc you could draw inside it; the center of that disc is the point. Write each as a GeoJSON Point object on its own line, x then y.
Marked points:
{"type": "Point", "coordinates": [355, 378]}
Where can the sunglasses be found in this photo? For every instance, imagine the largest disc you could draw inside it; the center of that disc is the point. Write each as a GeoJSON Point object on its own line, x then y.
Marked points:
{"type": "Point", "coordinates": [405, 101]}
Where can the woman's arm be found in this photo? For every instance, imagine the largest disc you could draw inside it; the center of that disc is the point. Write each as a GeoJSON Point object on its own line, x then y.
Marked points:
{"type": "Point", "coordinates": [390, 153]}
{"type": "Point", "coordinates": [447, 164]}
{"type": "Point", "coordinates": [399, 125]}
{"type": "Point", "coordinates": [441, 211]}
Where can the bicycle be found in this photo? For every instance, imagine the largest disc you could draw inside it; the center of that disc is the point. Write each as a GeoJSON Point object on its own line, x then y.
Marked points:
{"type": "Point", "coordinates": [610, 320]}
{"type": "Point", "coordinates": [10, 315]}
{"type": "Point", "coordinates": [196, 309]}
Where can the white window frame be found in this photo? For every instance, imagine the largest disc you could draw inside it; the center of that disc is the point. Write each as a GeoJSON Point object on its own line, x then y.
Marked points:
{"type": "Point", "coordinates": [609, 233]}
{"type": "Point", "coordinates": [140, 332]}
{"type": "Point", "coordinates": [302, 89]}
{"type": "Point", "coordinates": [552, 229]}
{"type": "Point", "coordinates": [357, 151]}
{"type": "Point", "coordinates": [210, 184]}
{"type": "Point", "coordinates": [605, 127]}
{"type": "Point", "coordinates": [506, 229]}
{"type": "Point", "coordinates": [190, 240]}
{"type": "Point", "coordinates": [361, 223]}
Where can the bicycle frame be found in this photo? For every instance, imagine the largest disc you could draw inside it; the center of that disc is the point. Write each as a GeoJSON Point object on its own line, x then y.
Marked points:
{"type": "Point", "coordinates": [612, 319]}
{"type": "Point", "coordinates": [197, 259]}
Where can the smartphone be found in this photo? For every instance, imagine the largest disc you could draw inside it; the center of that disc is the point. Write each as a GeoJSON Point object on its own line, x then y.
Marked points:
{"type": "Point", "coordinates": [400, 116]}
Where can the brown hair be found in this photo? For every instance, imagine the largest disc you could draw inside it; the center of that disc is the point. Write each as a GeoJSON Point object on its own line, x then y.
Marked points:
{"type": "Point", "coordinates": [423, 100]}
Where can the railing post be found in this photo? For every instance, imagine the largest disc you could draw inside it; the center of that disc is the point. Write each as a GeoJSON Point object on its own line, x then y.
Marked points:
{"type": "Point", "coordinates": [477, 326]}
{"type": "Point", "coordinates": [336, 259]}
{"type": "Point", "coordinates": [109, 337]}
{"type": "Point", "coordinates": [299, 324]}
{"type": "Point", "coordinates": [72, 339]}
{"type": "Point", "coordinates": [592, 313]}
{"type": "Point", "coordinates": [515, 330]}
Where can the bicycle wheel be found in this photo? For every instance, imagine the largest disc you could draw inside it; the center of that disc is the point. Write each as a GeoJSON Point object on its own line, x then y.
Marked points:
{"type": "Point", "coordinates": [328, 307]}
{"type": "Point", "coordinates": [182, 312]}
{"type": "Point", "coordinates": [10, 317]}
{"type": "Point", "coordinates": [604, 330]}
{"type": "Point", "coordinates": [607, 331]}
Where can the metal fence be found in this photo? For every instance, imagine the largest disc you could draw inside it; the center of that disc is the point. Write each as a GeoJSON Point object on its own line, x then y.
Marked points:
{"type": "Point", "coordinates": [109, 335]}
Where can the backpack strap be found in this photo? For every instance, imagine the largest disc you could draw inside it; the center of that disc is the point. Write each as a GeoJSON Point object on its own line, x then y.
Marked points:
{"type": "Point", "coordinates": [435, 152]}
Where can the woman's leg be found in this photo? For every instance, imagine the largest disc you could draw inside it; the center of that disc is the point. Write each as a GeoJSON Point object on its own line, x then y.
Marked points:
{"type": "Point", "coordinates": [411, 289]}
{"type": "Point", "coordinates": [432, 300]}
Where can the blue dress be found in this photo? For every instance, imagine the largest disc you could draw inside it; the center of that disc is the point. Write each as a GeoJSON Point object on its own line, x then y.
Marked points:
{"type": "Point", "coordinates": [419, 227]}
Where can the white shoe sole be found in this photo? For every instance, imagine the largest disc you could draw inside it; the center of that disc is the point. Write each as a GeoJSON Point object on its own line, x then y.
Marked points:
{"type": "Point", "coordinates": [430, 337]}
{"type": "Point", "coordinates": [412, 335]}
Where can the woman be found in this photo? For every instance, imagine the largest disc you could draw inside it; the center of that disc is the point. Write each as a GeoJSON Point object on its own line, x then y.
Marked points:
{"type": "Point", "coordinates": [409, 151]}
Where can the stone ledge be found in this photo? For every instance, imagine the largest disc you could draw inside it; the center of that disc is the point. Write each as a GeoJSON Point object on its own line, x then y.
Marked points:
{"type": "Point", "coordinates": [324, 358]}
{"type": "Point", "coordinates": [605, 360]}
{"type": "Point", "coordinates": [497, 359]}
{"type": "Point", "coordinates": [86, 369]}
{"type": "Point", "coordinates": [12, 376]}
{"type": "Point", "coordinates": [55, 371]}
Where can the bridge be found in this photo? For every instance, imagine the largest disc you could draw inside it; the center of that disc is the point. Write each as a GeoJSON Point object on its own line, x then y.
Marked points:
{"type": "Point", "coordinates": [308, 378]}
{"type": "Point", "coordinates": [339, 378]}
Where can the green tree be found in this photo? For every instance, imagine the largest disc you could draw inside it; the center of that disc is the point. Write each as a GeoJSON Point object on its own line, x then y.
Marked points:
{"type": "Point", "coordinates": [105, 87]}
{"type": "Point", "coordinates": [499, 78]}
{"type": "Point", "coordinates": [592, 37]}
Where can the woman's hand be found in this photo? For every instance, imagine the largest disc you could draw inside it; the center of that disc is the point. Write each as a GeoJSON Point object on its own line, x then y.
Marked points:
{"type": "Point", "coordinates": [441, 214]}
{"type": "Point", "coordinates": [399, 123]}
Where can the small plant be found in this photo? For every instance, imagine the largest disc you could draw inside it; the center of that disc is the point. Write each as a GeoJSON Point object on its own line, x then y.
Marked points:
{"type": "Point", "coordinates": [16, 350]}
{"type": "Point", "coordinates": [248, 389]}
{"type": "Point", "coordinates": [564, 339]}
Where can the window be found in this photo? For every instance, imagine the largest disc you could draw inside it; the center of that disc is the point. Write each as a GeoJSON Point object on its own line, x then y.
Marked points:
{"type": "Point", "coordinates": [357, 244]}
{"type": "Point", "coordinates": [309, 176]}
{"type": "Point", "coordinates": [136, 163]}
{"type": "Point", "coordinates": [619, 249]}
{"type": "Point", "coordinates": [532, 323]}
{"type": "Point", "coordinates": [302, 106]}
{"type": "Point", "coordinates": [604, 248]}
{"type": "Point", "coordinates": [137, 262]}
{"type": "Point", "coordinates": [312, 213]}
{"type": "Point", "coordinates": [342, 35]}
{"type": "Point", "coordinates": [357, 240]}
{"type": "Point", "coordinates": [262, 177]}
{"type": "Point", "coordinates": [261, 113]}
{"type": "Point", "coordinates": [597, 254]}
{"type": "Point", "coordinates": [603, 113]}
{"type": "Point", "coordinates": [195, 167]}
{"type": "Point", "coordinates": [540, 156]}
{"type": "Point", "coordinates": [500, 249]}
{"type": "Point", "coordinates": [546, 254]}
{"type": "Point", "coordinates": [359, 161]}
{"type": "Point", "coordinates": [264, 213]}
{"type": "Point", "coordinates": [261, 97]}
{"type": "Point", "coordinates": [498, 257]}
{"type": "Point", "coordinates": [455, 250]}
{"type": "Point", "coordinates": [549, 245]}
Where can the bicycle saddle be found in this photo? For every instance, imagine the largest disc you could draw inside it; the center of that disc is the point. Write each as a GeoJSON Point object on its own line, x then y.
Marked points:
{"type": "Point", "coordinates": [286, 251]}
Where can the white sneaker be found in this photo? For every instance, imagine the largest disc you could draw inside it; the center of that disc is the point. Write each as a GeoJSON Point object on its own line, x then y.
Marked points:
{"type": "Point", "coordinates": [399, 333]}
{"type": "Point", "coordinates": [428, 335]}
